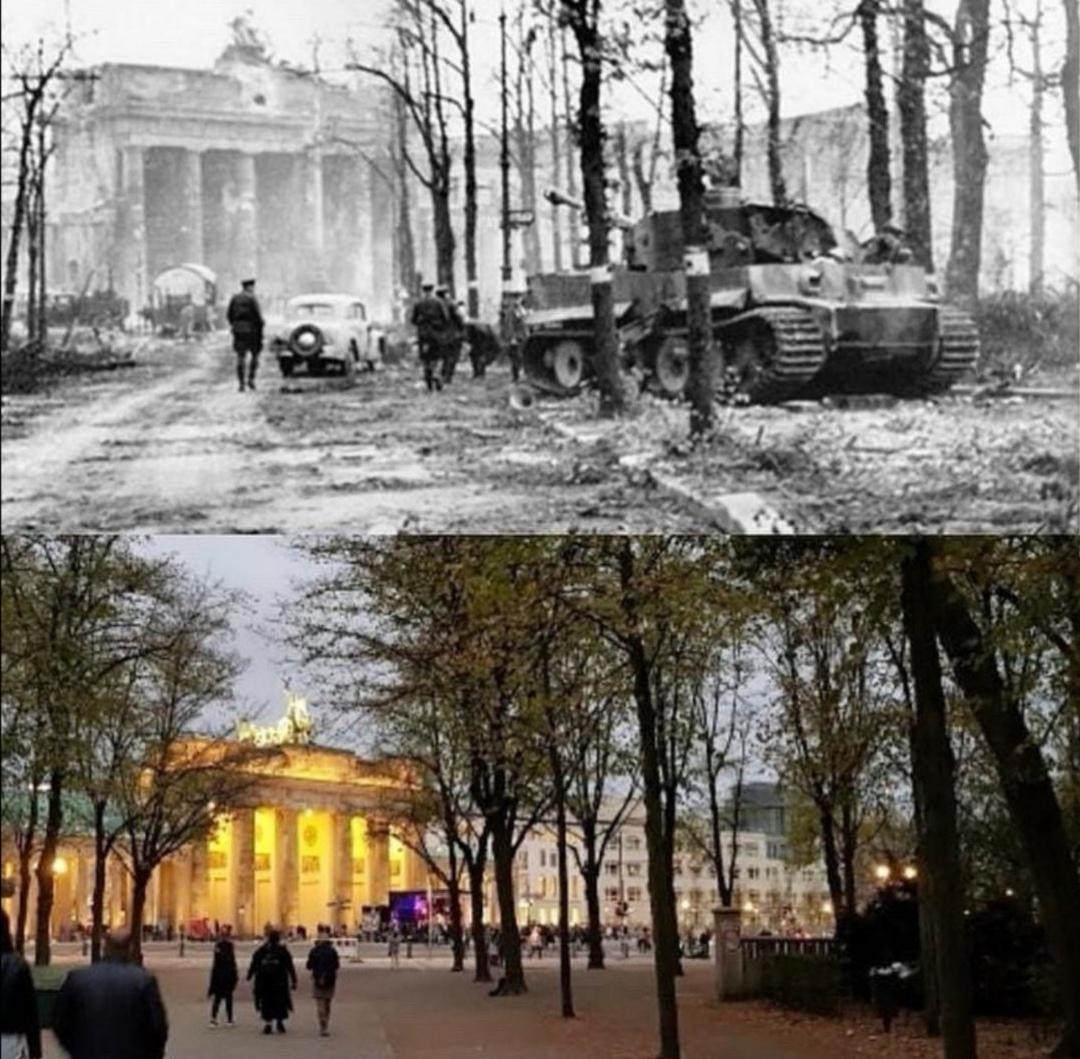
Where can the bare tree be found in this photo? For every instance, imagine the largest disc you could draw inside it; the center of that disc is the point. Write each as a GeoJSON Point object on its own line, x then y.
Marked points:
{"type": "Point", "coordinates": [36, 73]}
{"type": "Point", "coordinates": [1070, 83]}
{"type": "Point", "coordinates": [911, 102]}
{"type": "Point", "coordinates": [582, 17]}
{"type": "Point", "coordinates": [878, 177]}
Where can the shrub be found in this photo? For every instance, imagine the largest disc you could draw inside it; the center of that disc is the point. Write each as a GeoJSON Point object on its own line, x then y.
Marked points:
{"type": "Point", "coordinates": [1036, 333]}
{"type": "Point", "coordinates": [803, 983]}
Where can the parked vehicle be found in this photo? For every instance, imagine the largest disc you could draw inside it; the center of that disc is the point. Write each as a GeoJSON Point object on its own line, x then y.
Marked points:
{"type": "Point", "coordinates": [174, 289]}
{"type": "Point", "coordinates": [324, 333]}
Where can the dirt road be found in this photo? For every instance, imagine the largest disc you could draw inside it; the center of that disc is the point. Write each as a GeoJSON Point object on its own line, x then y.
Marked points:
{"type": "Point", "coordinates": [171, 446]}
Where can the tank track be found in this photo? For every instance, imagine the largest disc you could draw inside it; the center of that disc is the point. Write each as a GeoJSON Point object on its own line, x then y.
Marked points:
{"type": "Point", "coordinates": [959, 351]}
{"type": "Point", "coordinates": [797, 354]}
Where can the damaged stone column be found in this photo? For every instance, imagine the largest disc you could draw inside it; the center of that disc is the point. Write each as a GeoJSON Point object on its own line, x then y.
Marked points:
{"type": "Point", "coordinates": [130, 277]}
{"type": "Point", "coordinates": [247, 233]}
{"type": "Point", "coordinates": [191, 206]}
{"type": "Point", "coordinates": [727, 953]}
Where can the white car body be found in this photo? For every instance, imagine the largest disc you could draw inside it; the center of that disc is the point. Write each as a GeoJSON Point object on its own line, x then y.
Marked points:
{"type": "Point", "coordinates": [326, 331]}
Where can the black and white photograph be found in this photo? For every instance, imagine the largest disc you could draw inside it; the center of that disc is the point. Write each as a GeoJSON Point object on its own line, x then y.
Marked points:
{"type": "Point", "coordinates": [463, 266]}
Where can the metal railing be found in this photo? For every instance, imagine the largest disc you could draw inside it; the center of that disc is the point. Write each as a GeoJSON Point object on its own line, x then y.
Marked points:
{"type": "Point", "coordinates": [756, 948]}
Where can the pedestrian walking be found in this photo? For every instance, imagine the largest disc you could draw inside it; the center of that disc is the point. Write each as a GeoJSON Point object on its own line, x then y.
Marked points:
{"type": "Point", "coordinates": [394, 950]}
{"type": "Point", "coordinates": [223, 977]}
{"type": "Point", "coordinates": [112, 1008]}
{"type": "Point", "coordinates": [536, 942]}
{"type": "Point", "coordinates": [274, 973]}
{"type": "Point", "coordinates": [430, 318]}
{"type": "Point", "coordinates": [323, 963]}
{"type": "Point", "coordinates": [20, 1033]}
{"type": "Point", "coordinates": [246, 323]}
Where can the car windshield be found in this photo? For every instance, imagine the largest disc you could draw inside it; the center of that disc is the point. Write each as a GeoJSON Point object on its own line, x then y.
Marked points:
{"type": "Point", "coordinates": [323, 310]}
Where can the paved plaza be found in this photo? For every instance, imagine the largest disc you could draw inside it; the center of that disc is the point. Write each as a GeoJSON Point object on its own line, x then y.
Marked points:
{"type": "Point", "coordinates": [422, 1011]}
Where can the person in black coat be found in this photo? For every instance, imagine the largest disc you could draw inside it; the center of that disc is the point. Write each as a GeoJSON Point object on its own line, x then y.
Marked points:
{"type": "Point", "coordinates": [223, 977]}
{"type": "Point", "coordinates": [18, 1002]}
{"type": "Point", "coordinates": [273, 971]}
{"type": "Point", "coordinates": [246, 322]}
{"type": "Point", "coordinates": [112, 1008]}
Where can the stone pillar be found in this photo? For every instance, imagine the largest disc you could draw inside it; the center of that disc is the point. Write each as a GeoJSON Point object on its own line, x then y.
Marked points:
{"type": "Point", "coordinates": [114, 884]}
{"type": "Point", "coordinates": [130, 277]}
{"type": "Point", "coordinates": [316, 207]}
{"type": "Point", "coordinates": [182, 877]}
{"type": "Point", "coordinates": [286, 864]}
{"type": "Point", "coordinates": [378, 862]}
{"type": "Point", "coordinates": [191, 209]}
{"type": "Point", "coordinates": [84, 884]}
{"type": "Point", "coordinates": [243, 843]}
{"type": "Point", "coordinates": [200, 881]}
{"type": "Point", "coordinates": [727, 953]}
{"type": "Point", "coordinates": [341, 884]}
{"type": "Point", "coordinates": [247, 241]}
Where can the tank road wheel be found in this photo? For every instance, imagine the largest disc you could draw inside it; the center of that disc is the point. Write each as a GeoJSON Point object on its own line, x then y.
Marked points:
{"type": "Point", "coordinates": [287, 365]}
{"type": "Point", "coordinates": [671, 368]}
{"type": "Point", "coordinates": [956, 351]}
{"type": "Point", "coordinates": [771, 354]}
{"type": "Point", "coordinates": [567, 363]}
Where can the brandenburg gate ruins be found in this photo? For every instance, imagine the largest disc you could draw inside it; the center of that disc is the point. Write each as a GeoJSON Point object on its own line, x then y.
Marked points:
{"type": "Point", "coordinates": [251, 169]}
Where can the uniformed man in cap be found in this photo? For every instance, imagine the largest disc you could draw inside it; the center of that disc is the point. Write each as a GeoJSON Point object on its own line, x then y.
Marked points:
{"type": "Point", "coordinates": [512, 329]}
{"type": "Point", "coordinates": [431, 319]}
{"type": "Point", "coordinates": [246, 322]}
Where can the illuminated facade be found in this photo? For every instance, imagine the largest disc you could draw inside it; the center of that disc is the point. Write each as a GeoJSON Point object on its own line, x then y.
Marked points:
{"type": "Point", "coordinates": [315, 845]}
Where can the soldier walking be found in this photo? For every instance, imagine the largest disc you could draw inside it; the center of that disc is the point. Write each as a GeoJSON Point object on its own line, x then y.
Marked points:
{"type": "Point", "coordinates": [430, 318]}
{"type": "Point", "coordinates": [455, 333]}
{"type": "Point", "coordinates": [246, 322]}
{"type": "Point", "coordinates": [512, 330]}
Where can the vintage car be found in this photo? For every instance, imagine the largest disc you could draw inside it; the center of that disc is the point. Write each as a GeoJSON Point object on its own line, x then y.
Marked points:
{"type": "Point", "coordinates": [324, 333]}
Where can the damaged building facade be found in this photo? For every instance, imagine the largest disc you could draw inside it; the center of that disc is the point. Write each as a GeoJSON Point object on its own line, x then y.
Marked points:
{"type": "Point", "coordinates": [248, 169]}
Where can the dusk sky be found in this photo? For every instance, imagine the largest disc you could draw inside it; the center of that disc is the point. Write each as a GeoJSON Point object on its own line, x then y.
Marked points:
{"type": "Point", "coordinates": [265, 568]}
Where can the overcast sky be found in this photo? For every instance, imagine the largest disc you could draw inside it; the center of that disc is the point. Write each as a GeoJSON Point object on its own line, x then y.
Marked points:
{"type": "Point", "coordinates": [265, 568]}
{"type": "Point", "coordinates": [193, 34]}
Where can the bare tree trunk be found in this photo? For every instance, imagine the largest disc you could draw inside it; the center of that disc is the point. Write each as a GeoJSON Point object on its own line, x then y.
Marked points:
{"type": "Point", "coordinates": [558, 780]}
{"type": "Point", "coordinates": [33, 245]}
{"type": "Point", "coordinates": [1037, 196]}
{"type": "Point", "coordinates": [571, 171]}
{"type": "Point", "coordinates": [140, 881]}
{"type": "Point", "coordinates": [1028, 789]}
{"type": "Point", "coordinates": [626, 187]}
{"type": "Point", "coordinates": [45, 878]}
{"type": "Point", "coordinates": [772, 77]}
{"type": "Point", "coordinates": [878, 177]}
{"type": "Point", "coordinates": [679, 48]}
{"type": "Point", "coordinates": [591, 131]}
{"type": "Point", "coordinates": [933, 763]}
{"type": "Point", "coordinates": [556, 145]}
{"type": "Point", "coordinates": [927, 944]}
{"type": "Point", "coordinates": [591, 876]}
{"type": "Point", "coordinates": [405, 241]}
{"type": "Point", "coordinates": [832, 863]}
{"type": "Point", "coordinates": [482, 968]}
{"type": "Point", "coordinates": [457, 939]}
{"type": "Point", "coordinates": [18, 221]}
{"type": "Point", "coordinates": [970, 40]}
{"type": "Point", "coordinates": [502, 849]}
{"type": "Point", "coordinates": [740, 122]}
{"type": "Point", "coordinates": [1070, 83]}
{"type": "Point", "coordinates": [444, 234]}
{"type": "Point", "coordinates": [911, 101]}
{"type": "Point", "coordinates": [469, 161]}
{"type": "Point", "coordinates": [26, 855]}
{"type": "Point", "coordinates": [97, 897]}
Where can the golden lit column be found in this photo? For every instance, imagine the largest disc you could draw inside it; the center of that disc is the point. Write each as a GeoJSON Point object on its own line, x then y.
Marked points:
{"type": "Point", "coordinates": [200, 881]}
{"type": "Point", "coordinates": [378, 862]}
{"type": "Point", "coordinates": [83, 866]}
{"type": "Point", "coordinates": [287, 867]}
{"type": "Point", "coordinates": [341, 883]}
{"type": "Point", "coordinates": [243, 852]}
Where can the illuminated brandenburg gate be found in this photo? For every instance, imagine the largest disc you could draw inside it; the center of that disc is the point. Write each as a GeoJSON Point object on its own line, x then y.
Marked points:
{"type": "Point", "coordinates": [315, 844]}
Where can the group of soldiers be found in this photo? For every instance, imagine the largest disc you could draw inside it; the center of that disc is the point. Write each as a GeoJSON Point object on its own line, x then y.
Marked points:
{"type": "Point", "coordinates": [443, 330]}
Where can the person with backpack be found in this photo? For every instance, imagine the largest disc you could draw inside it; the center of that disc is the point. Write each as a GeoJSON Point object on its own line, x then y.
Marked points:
{"type": "Point", "coordinates": [323, 963]}
{"type": "Point", "coordinates": [273, 971]}
{"type": "Point", "coordinates": [223, 977]}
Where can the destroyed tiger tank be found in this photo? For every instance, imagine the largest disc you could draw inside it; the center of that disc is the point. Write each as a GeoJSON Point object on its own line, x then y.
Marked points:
{"type": "Point", "coordinates": [793, 314]}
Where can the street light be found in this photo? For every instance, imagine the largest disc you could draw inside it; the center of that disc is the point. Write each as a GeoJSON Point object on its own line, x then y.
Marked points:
{"type": "Point", "coordinates": [59, 866]}
{"type": "Point", "coordinates": [911, 873]}
{"type": "Point", "coordinates": [882, 872]}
